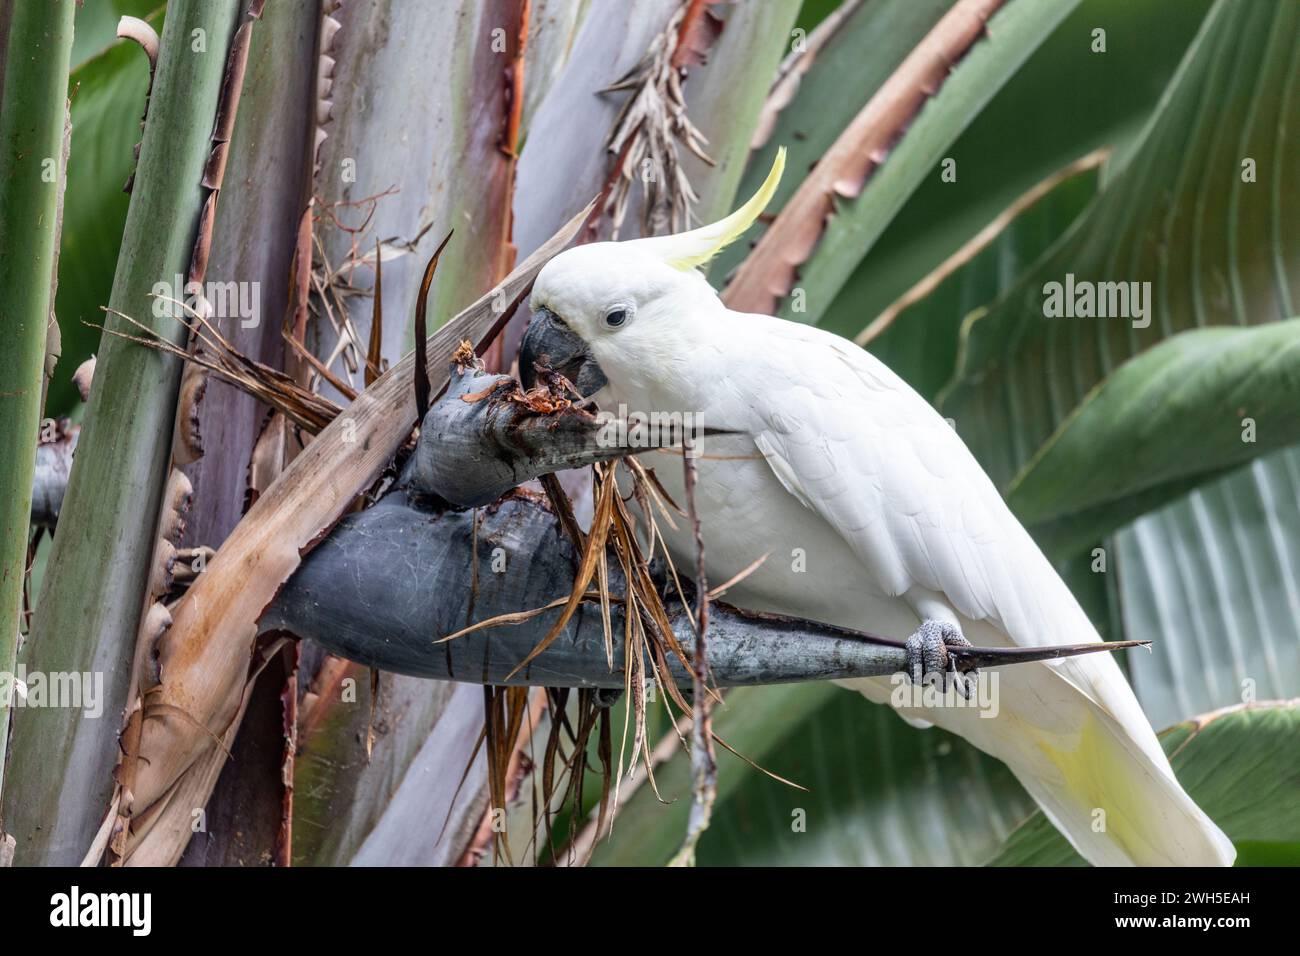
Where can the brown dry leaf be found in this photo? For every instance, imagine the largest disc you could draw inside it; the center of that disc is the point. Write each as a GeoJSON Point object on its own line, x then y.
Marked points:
{"type": "Point", "coordinates": [654, 120]}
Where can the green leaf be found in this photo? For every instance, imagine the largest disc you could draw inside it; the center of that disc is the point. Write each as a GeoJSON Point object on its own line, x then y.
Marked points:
{"type": "Point", "coordinates": [1241, 766]}
{"type": "Point", "coordinates": [879, 792]}
{"type": "Point", "coordinates": [920, 343]}
{"type": "Point", "coordinates": [34, 48]}
{"type": "Point", "coordinates": [108, 96]}
{"type": "Point", "coordinates": [1212, 580]}
{"type": "Point", "coordinates": [883, 794]}
{"type": "Point", "coordinates": [1012, 35]}
{"type": "Point", "coordinates": [1216, 250]}
{"type": "Point", "coordinates": [1063, 103]}
{"type": "Point", "coordinates": [752, 720]}
{"type": "Point", "coordinates": [856, 59]}
{"type": "Point", "coordinates": [1197, 388]}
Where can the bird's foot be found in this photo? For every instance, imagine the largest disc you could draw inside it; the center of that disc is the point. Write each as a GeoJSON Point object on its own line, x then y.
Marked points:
{"type": "Point", "coordinates": [928, 660]}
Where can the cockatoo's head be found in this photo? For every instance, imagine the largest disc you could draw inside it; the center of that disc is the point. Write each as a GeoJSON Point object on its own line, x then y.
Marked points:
{"type": "Point", "coordinates": [610, 311]}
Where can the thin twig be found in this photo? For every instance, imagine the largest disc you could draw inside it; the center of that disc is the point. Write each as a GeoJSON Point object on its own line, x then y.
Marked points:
{"type": "Point", "coordinates": [704, 764]}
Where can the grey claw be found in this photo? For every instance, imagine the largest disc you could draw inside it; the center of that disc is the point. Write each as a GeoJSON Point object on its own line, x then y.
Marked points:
{"type": "Point", "coordinates": [928, 658]}
{"type": "Point", "coordinates": [964, 683]}
{"type": "Point", "coordinates": [915, 653]}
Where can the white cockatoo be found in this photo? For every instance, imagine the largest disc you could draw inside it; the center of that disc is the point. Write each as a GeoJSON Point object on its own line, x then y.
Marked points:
{"type": "Point", "coordinates": [836, 459]}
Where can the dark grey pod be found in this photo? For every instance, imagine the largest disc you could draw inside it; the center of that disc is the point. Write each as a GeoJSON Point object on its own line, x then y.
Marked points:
{"type": "Point", "coordinates": [390, 581]}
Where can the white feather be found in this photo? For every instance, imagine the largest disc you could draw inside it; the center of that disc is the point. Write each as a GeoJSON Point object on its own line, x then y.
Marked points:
{"type": "Point", "coordinates": [840, 461]}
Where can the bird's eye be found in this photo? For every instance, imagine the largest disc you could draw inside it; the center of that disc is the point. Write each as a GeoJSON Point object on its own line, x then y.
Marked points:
{"type": "Point", "coordinates": [617, 316]}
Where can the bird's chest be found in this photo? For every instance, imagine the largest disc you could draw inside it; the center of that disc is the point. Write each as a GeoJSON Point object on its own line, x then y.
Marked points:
{"type": "Point", "coordinates": [745, 513]}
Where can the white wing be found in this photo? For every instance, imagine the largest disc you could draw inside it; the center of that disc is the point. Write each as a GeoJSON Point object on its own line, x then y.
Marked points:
{"type": "Point", "coordinates": [855, 444]}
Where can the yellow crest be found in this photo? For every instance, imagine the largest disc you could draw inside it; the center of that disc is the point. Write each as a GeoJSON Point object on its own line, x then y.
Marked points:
{"type": "Point", "coordinates": [689, 250]}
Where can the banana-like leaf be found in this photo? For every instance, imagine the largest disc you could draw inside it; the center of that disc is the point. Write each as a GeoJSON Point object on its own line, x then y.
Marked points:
{"type": "Point", "coordinates": [853, 59]}
{"type": "Point", "coordinates": [920, 341]}
{"type": "Point", "coordinates": [1066, 101]}
{"type": "Point", "coordinates": [818, 254]}
{"type": "Point", "coordinates": [1241, 765]}
{"type": "Point", "coordinates": [1229, 392]}
{"type": "Point", "coordinates": [1199, 215]}
{"type": "Point", "coordinates": [108, 96]}
{"type": "Point", "coordinates": [1212, 580]}
{"type": "Point", "coordinates": [1204, 577]}
{"type": "Point", "coordinates": [878, 791]}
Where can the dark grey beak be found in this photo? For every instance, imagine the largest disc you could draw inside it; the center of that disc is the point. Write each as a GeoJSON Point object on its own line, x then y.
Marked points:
{"type": "Point", "coordinates": [549, 343]}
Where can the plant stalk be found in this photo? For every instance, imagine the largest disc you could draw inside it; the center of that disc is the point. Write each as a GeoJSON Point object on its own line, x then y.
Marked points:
{"type": "Point", "coordinates": [36, 39]}
{"type": "Point", "coordinates": [93, 593]}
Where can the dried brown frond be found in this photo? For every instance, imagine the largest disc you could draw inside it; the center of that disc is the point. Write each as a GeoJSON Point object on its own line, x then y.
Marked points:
{"type": "Point", "coordinates": [648, 644]}
{"type": "Point", "coordinates": [421, 373]}
{"type": "Point", "coordinates": [216, 354]}
{"type": "Point", "coordinates": [331, 285]}
{"type": "Point", "coordinates": [653, 121]}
